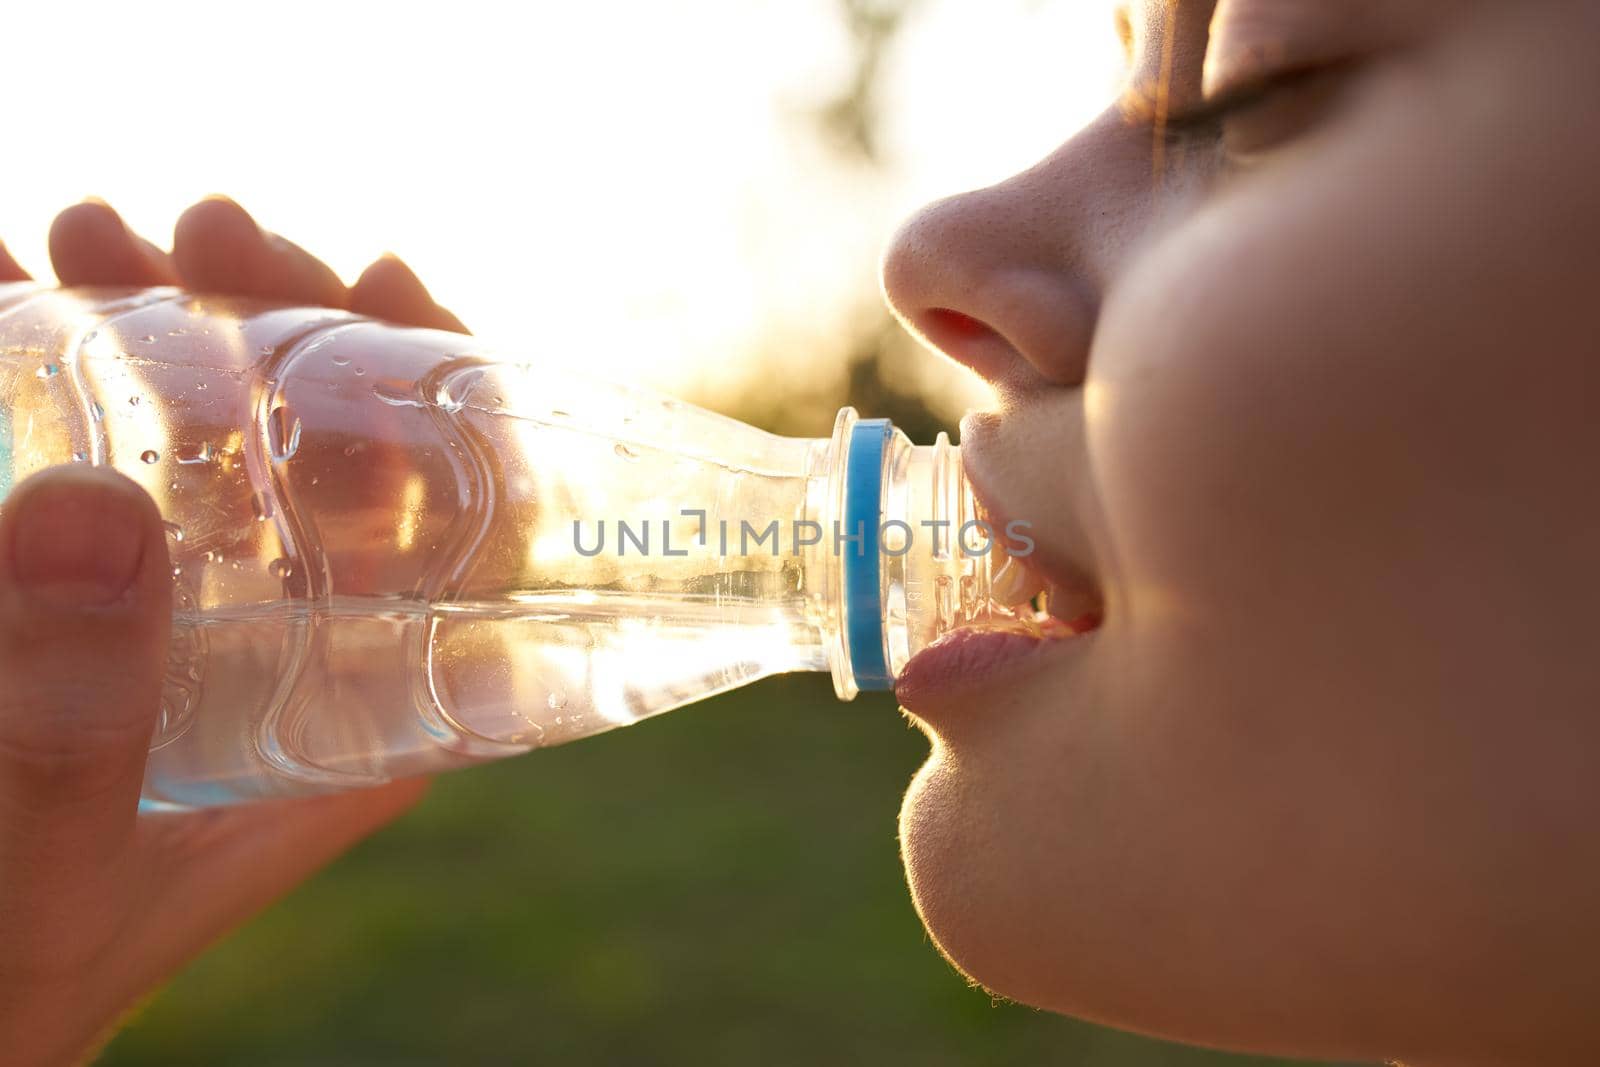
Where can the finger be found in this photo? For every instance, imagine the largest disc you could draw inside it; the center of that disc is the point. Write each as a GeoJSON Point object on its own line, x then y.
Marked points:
{"type": "Point", "coordinates": [389, 290]}
{"type": "Point", "coordinates": [219, 249]}
{"type": "Point", "coordinates": [91, 245]}
{"type": "Point", "coordinates": [10, 269]}
{"type": "Point", "coordinates": [84, 616]}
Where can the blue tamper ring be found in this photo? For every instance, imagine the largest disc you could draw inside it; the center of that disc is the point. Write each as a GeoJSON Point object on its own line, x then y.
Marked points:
{"type": "Point", "coordinates": [863, 590]}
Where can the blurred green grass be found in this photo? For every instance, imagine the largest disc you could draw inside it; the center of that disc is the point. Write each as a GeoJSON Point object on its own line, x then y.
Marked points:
{"type": "Point", "coordinates": [719, 885]}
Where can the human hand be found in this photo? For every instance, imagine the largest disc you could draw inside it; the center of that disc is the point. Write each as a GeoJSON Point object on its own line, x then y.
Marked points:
{"type": "Point", "coordinates": [98, 904]}
{"type": "Point", "coordinates": [218, 248]}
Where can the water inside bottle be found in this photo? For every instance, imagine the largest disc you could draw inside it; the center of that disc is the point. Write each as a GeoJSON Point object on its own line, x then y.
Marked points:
{"type": "Point", "coordinates": [373, 542]}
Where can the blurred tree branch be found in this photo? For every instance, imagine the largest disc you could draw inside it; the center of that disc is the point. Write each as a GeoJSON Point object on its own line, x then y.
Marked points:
{"type": "Point", "coordinates": [872, 364]}
{"type": "Point", "coordinates": [851, 120]}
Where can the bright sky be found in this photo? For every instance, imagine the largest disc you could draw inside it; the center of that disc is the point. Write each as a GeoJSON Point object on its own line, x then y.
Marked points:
{"type": "Point", "coordinates": [625, 184]}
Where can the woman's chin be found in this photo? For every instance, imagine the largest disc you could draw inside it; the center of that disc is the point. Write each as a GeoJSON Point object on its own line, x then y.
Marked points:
{"type": "Point", "coordinates": [1032, 881]}
{"type": "Point", "coordinates": [964, 888]}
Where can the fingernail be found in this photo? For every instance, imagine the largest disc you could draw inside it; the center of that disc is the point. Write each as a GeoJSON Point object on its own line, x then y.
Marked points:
{"type": "Point", "coordinates": [399, 268]}
{"type": "Point", "coordinates": [77, 537]}
{"type": "Point", "coordinates": [106, 211]}
{"type": "Point", "coordinates": [233, 206]}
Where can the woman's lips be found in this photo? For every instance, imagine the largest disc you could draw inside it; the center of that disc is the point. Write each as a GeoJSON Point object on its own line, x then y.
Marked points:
{"type": "Point", "coordinates": [974, 662]}
{"type": "Point", "coordinates": [963, 663]}
{"type": "Point", "coordinates": [966, 666]}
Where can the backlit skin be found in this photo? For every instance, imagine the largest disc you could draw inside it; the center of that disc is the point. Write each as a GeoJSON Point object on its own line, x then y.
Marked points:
{"type": "Point", "coordinates": [1309, 402]}
{"type": "Point", "coordinates": [81, 690]}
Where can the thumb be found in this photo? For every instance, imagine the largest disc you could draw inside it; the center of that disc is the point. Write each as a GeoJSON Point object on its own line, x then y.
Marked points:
{"type": "Point", "coordinates": [84, 615]}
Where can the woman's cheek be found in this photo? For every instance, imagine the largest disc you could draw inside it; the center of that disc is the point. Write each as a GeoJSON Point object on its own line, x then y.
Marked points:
{"type": "Point", "coordinates": [1055, 849]}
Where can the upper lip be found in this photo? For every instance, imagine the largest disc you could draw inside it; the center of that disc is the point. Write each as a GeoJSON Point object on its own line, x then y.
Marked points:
{"type": "Point", "coordinates": [1060, 555]}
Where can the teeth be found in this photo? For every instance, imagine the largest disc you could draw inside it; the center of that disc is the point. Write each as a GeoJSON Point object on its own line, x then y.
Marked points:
{"type": "Point", "coordinates": [1042, 608]}
{"type": "Point", "coordinates": [1014, 584]}
{"type": "Point", "coordinates": [1076, 607]}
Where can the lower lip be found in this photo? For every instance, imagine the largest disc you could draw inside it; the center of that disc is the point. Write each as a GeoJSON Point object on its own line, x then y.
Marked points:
{"type": "Point", "coordinates": [968, 662]}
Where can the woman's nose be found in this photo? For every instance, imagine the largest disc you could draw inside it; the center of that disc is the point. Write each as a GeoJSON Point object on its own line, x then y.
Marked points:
{"type": "Point", "coordinates": [1006, 280]}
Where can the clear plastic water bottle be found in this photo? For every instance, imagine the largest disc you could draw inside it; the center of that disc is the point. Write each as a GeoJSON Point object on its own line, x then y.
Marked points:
{"type": "Point", "coordinates": [394, 553]}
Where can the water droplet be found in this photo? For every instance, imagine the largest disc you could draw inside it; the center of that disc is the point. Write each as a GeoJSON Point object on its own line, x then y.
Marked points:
{"type": "Point", "coordinates": [179, 332]}
{"type": "Point", "coordinates": [200, 387]}
{"type": "Point", "coordinates": [556, 700]}
{"type": "Point", "coordinates": [148, 339]}
{"type": "Point", "coordinates": [360, 371]}
{"type": "Point", "coordinates": [78, 457]}
{"type": "Point", "coordinates": [96, 412]}
{"type": "Point", "coordinates": [212, 556]}
{"type": "Point", "coordinates": [624, 451]}
{"type": "Point", "coordinates": [174, 531]}
{"type": "Point", "coordinates": [455, 389]}
{"type": "Point", "coordinates": [260, 508]}
{"type": "Point", "coordinates": [202, 455]}
{"type": "Point", "coordinates": [280, 568]}
{"type": "Point", "coordinates": [499, 401]}
{"type": "Point", "coordinates": [349, 450]}
{"type": "Point", "coordinates": [177, 571]}
{"type": "Point", "coordinates": [150, 455]}
{"type": "Point", "coordinates": [90, 336]}
{"type": "Point", "coordinates": [133, 401]}
{"type": "Point", "coordinates": [558, 720]}
{"type": "Point", "coordinates": [340, 361]}
{"type": "Point", "coordinates": [396, 397]}
{"type": "Point", "coordinates": [267, 350]}
{"type": "Point", "coordinates": [49, 370]}
{"type": "Point", "coordinates": [283, 433]}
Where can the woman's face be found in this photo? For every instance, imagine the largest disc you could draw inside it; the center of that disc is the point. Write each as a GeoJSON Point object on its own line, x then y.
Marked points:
{"type": "Point", "coordinates": [1298, 369]}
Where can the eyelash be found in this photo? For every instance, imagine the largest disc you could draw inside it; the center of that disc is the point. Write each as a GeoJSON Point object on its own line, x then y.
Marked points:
{"type": "Point", "coordinates": [1209, 117]}
{"type": "Point", "coordinates": [1206, 121]}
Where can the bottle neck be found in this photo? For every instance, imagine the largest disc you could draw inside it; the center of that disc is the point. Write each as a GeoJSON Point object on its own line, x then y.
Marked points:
{"type": "Point", "coordinates": [909, 557]}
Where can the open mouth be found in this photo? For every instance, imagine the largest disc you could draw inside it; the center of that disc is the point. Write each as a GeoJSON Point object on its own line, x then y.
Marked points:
{"type": "Point", "coordinates": [1039, 603]}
